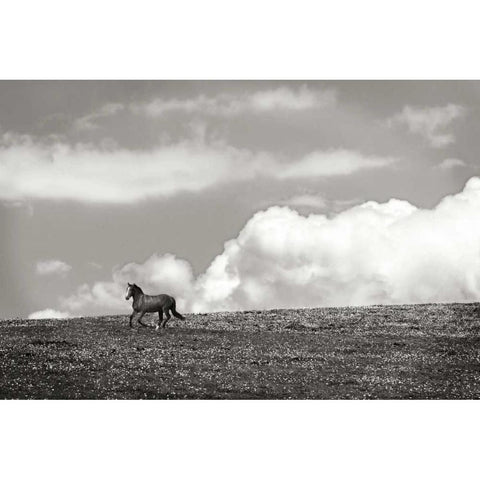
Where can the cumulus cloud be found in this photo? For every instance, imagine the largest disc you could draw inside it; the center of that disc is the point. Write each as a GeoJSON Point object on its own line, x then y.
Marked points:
{"type": "Point", "coordinates": [372, 253]}
{"type": "Point", "coordinates": [29, 170]}
{"type": "Point", "coordinates": [52, 267]}
{"type": "Point", "coordinates": [47, 314]}
{"type": "Point", "coordinates": [430, 122]}
{"type": "Point", "coordinates": [449, 163]}
{"type": "Point", "coordinates": [159, 273]}
{"type": "Point", "coordinates": [228, 105]}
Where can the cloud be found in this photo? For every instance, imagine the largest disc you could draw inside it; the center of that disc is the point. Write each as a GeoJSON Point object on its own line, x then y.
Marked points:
{"type": "Point", "coordinates": [331, 163]}
{"type": "Point", "coordinates": [21, 205]}
{"type": "Point", "coordinates": [449, 163]}
{"type": "Point", "coordinates": [89, 122]}
{"type": "Point", "coordinates": [429, 122]}
{"type": "Point", "coordinates": [87, 174]}
{"type": "Point", "coordinates": [305, 200]}
{"type": "Point", "coordinates": [95, 265]}
{"type": "Point", "coordinates": [52, 267]}
{"type": "Point", "coordinates": [372, 253]}
{"type": "Point", "coordinates": [83, 173]}
{"type": "Point", "coordinates": [280, 99]}
{"type": "Point", "coordinates": [228, 105]}
{"type": "Point", "coordinates": [159, 273]}
{"type": "Point", "coordinates": [48, 313]}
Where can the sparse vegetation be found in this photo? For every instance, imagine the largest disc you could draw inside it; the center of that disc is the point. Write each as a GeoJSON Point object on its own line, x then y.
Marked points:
{"type": "Point", "coordinates": [414, 351]}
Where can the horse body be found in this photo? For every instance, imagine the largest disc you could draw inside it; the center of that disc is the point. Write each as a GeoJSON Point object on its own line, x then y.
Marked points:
{"type": "Point", "coordinates": [142, 304]}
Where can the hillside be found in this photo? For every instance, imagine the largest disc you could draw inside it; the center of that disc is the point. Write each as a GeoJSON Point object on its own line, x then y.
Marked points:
{"type": "Point", "coordinates": [409, 351]}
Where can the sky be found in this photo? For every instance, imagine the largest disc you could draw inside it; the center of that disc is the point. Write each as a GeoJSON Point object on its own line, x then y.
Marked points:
{"type": "Point", "coordinates": [237, 195]}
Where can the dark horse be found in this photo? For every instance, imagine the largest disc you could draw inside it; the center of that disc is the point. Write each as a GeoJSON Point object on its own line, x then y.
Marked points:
{"type": "Point", "coordinates": [163, 304]}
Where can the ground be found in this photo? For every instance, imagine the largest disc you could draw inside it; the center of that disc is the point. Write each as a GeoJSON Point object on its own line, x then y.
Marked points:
{"type": "Point", "coordinates": [381, 352]}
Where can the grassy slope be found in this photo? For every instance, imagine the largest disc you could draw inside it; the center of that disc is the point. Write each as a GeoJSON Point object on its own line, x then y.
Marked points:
{"type": "Point", "coordinates": [416, 351]}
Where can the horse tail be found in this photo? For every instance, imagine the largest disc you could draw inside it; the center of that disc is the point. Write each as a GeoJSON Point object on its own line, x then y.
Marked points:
{"type": "Point", "coordinates": [174, 311]}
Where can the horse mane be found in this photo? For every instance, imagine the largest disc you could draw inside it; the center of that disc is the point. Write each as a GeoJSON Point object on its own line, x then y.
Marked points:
{"type": "Point", "coordinates": [137, 288]}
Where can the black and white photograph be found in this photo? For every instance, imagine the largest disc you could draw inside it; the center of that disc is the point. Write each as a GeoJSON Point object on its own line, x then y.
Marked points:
{"type": "Point", "coordinates": [240, 239]}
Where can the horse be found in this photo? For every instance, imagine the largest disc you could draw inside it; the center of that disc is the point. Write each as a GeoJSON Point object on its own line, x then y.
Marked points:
{"type": "Point", "coordinates": [163, 304]}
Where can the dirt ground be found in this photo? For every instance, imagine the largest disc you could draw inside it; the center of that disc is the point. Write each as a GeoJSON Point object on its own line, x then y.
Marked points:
{"type": "Point", "coordinates": [380, 352]}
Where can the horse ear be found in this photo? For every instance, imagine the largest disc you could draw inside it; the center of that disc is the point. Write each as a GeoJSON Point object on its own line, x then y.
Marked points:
{"type": "Point", "coordinates": [129, 284]}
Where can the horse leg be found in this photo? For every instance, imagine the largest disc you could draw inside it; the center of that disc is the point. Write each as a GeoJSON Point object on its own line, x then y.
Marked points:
{"type": "Point", "coordinates": [140, 319]}
{"type": "Point", "coordinates": [167, 317]}
{"type": "Point", "coordinates": [160, 319]}
{"type": "Point", "coordinates": [131, 318]}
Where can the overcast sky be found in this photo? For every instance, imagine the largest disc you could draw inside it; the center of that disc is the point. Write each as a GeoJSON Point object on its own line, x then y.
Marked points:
{"type": "Point", "coordinates": [237, 195]}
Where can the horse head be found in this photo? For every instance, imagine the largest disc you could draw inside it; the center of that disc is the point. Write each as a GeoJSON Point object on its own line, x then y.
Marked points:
{"type": "Point", "coordinates": [132, 289]}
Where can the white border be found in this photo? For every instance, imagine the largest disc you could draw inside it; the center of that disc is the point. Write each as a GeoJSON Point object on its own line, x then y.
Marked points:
{"type": "Point", "coordinates": [238, 440]}
{"type": "Point", "coordinates": [214, 39]}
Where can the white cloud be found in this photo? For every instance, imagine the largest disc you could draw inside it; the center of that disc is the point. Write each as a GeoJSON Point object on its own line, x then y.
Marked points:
{"type": "Point", "coordinates": [286, 99]}
{"type": "Point", "coordinates": [83, 173]}
{"type": "Point", "coordinates": [277, 99]}
{"type": "Point", "coordinates": [429, 122]}
{"type": "Point", "coordinates": [87, 174]}
{"type": "Point", "coordinates": [371, 253]}
{"type": "Point", "coordinates": [166, 274]}
{"type": "Point", "coordinates": [305, 200]}
{"type": "Point", "coordinates": [48, 313]}
{"type": "Point", "coordinates": [449, 163]}
{"type": "Point", "coordinates": [331, 163]}
{"type": "Point", "coordinates": [52, 267]}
